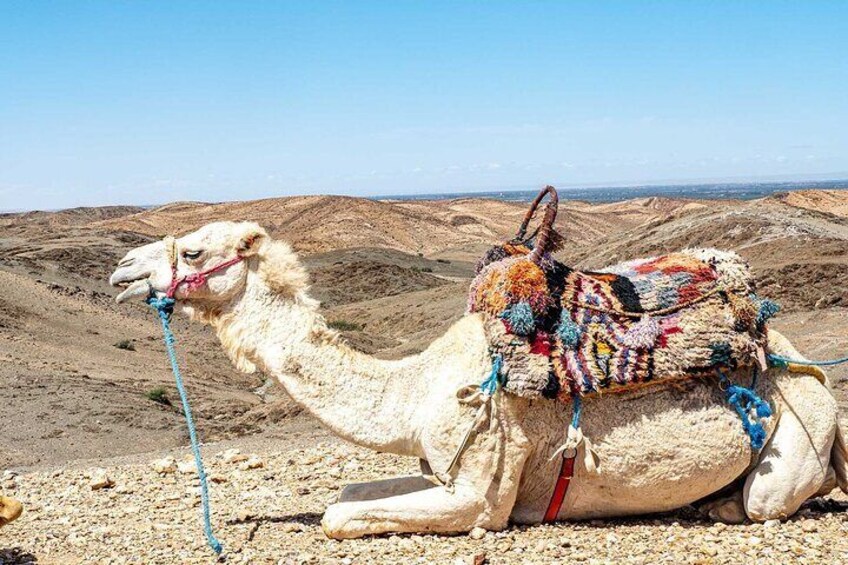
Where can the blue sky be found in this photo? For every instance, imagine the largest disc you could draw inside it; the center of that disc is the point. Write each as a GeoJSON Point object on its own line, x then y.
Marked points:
{"type": "Point", "coordinates": [147, 102]}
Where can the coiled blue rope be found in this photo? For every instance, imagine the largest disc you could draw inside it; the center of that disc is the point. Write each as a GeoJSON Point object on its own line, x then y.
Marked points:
{"type": "Point", "coordinates": [165, 307]}
{"type": "Point", "coordinates": [750, 408]}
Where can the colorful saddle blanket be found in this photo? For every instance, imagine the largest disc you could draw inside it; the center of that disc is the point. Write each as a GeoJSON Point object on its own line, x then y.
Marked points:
{"type": "Point", "coordinates": [562, 332]}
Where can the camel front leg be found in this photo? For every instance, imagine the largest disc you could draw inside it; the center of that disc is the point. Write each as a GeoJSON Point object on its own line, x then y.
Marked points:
{"type": "Point", "coordinates": [431, 510]}
{"type": "Point", "coordinates": [374, 490]}
{"type": "Point", "coordinates": [485, 485]}
{"type": "Point", "coordinates": [795, 463]}
{"type": "Point", "coordinates": [483, 494]}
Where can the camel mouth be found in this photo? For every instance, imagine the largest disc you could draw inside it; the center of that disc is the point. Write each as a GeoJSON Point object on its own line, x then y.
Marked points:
{"type": "Point", "coordinates": [135, 290]}
{"type": "Point", "coordinates": [131, 287]}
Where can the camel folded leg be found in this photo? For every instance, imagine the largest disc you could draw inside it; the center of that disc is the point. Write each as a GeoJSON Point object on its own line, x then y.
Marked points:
{"type": "Point", "coordinates": [374, 490]}
{"type": "Point", "coordinates": [436, 510]}
{"type": "Point", "coordinates": [795, 463]}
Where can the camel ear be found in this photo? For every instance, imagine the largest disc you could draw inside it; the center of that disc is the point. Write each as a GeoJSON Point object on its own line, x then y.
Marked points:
{"type": "Point", "coordinates": [251, 240]}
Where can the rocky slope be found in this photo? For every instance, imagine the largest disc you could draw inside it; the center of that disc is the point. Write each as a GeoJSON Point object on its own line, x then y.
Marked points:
{"type": "Point", "coordinates": [267, 511]}
{"type": "Point", "coordinates": [80, 376]}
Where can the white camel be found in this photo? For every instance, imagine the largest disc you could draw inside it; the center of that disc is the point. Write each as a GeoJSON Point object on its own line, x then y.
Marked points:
{"type": "Point", "coordinates": [658, 451]}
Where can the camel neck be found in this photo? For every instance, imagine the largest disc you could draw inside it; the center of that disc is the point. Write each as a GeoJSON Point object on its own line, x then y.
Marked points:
{"type": "Point", "coordinates": [367, 401]}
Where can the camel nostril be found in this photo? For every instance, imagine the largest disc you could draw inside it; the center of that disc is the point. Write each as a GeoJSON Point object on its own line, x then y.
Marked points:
{"type": "Point", "coordinates": [126, 262]}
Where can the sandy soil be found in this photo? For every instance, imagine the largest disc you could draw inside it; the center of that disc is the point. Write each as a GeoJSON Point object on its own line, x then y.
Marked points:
{"type": "Point", "coordinates": [76, 370]}
{"type": "Point", "coordinates": [271, 515]}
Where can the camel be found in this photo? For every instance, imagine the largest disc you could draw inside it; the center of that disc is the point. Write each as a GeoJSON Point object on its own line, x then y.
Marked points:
{"type": "Point", "coordinates": [10, 510]}
{"type": "Point", "coordinates": [657, 451]}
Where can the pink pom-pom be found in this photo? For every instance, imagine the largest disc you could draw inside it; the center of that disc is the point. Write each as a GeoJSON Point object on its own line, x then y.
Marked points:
{"type": "Point", "coordinates": [643, 334]}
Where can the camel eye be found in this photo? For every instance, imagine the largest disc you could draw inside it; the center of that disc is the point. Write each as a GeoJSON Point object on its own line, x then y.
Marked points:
{"type": "Point", "coordinates": [191, 255]}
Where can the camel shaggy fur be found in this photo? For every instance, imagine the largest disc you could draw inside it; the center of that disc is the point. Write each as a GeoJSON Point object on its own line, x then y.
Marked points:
{"type": "Point", "coordinates": [657, 450]}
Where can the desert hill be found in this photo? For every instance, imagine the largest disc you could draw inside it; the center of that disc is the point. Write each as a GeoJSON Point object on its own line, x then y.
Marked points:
{"type": "Point", "coordinates": [392, 275]}
{"type": "Point", "coordinates": [799, 254]}
{"type": "Point", "coordinates": [324, 223]}
{"type": "Point", "coordinates": [311, 223]}
{"type": "Point", "coordinates": [824, 201]}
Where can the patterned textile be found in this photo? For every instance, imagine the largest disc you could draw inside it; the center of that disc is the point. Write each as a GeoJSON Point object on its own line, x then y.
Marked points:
{"type": "Point", "coordinates": [565, 332]}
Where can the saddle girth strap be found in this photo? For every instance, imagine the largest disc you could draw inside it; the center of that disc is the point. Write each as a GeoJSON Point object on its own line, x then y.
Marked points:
{"type": "Point", "coordinates": [566, 472]}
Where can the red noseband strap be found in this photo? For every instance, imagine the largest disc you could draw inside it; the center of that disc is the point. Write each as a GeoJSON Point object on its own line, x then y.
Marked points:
{"type": "Point", "coordinates": [194, 280]}
{"type": "Point", "coordinates": [197, 280]}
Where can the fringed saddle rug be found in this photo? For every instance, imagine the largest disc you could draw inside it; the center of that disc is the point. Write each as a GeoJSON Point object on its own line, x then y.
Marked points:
{"type": "Point", "coordinates": [562, 333]}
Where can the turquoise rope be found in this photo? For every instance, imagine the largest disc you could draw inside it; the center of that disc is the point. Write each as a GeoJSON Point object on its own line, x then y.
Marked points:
{"type": "Point", "coordinates": [490, 385]}
{"type": "Point", "coordinates": [577, 411]}
{"type": "Point", "coordinates": [165, 307]}
{"type": "Point", "coordinates": [782, 361]}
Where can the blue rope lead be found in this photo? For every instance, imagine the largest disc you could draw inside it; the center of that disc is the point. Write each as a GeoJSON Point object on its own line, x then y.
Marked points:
{"type": "Point", "coordinates": [577, 411]}
{"type": "Point", "coordinates": [490, 385]}
{"type": "Point", "coordinates": [165, 307]}
{"type": "Point", "coordinates": [745, 401]}
{"type": "Point", "coordinates": [782, 361]}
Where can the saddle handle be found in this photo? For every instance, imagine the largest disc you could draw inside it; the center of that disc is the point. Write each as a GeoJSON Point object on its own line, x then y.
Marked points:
{"type": "Point", "coordinates": [543, 233]}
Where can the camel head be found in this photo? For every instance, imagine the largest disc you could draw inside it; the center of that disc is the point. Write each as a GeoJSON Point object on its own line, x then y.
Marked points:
{"type": "Point", "coordinates": [210, 267]}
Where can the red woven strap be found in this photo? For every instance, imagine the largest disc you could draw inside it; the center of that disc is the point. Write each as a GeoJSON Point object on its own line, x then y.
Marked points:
{"type": "Point", "coordinates": [196, 280]}
{"type": "Point", "coordinates": [566, 472]}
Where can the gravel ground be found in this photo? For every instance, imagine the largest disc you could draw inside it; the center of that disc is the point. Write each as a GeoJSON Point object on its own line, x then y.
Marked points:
{"type": "Point", "coordinates": [267, 506]}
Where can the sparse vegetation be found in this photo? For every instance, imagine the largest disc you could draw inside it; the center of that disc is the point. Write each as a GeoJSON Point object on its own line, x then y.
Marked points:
{"type": "Point", "coordinates": [158, 395]}
{"type": "Point", "coordinates": [445, 261]}
{"type": "Point", "coordinates": [344, 326]}
{"type": "Point", "coordinates": [423, 269]}
{"type": "Point", "coordinates": [126, 345]}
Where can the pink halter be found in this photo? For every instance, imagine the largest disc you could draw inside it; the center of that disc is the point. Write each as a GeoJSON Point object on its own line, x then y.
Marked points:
{"type": "Point", "coordinates": [194, 280]}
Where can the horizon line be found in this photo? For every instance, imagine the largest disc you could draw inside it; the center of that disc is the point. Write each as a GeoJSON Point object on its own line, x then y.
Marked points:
{"type": "Point", "coordinates": [483, 192]}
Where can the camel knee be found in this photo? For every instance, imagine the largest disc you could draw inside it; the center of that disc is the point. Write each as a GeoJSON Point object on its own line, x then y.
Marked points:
{"type": "Point", "coordinates": [761, 506]}
{"type": "Point", "coordinates": [791, 470]}
{"type": "Point", "coordinates": [777, 488]}
{"type": "Point", "coordinates": [829, 484]}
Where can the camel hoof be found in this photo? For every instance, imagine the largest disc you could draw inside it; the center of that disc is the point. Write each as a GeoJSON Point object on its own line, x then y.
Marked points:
{"type": "Point", "coordinates": [729, 510]}
{"type": "Point", "coordinates": [335, 522]}
{"type": "Point", "coordinates": [10, 510]}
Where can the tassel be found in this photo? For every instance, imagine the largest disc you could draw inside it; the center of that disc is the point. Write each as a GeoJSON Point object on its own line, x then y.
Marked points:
{"type": "Point", "coordinates": [758, 435]}
{"type": "Point", "coordinates": [568, 332]}
{"type": "Point", "coordinates": [520, 318]}
{"type": "Point", "coordinates": [766, 309]}
{"type": "Point", "coordinates": [763, 410]}
{"type": "Point", "coordinates": [745, 401]}
{"type": "Point", "coordinates": [490, 385]}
